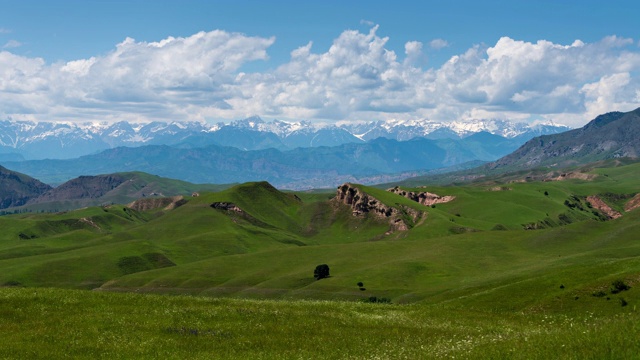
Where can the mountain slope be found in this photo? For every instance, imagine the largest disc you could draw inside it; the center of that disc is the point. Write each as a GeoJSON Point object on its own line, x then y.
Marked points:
{"type": "Point", "coordinates": [17, 189]}
{"type": "Point", "coordinates": [612, 135]}
{"type": "Point", "coordinates": [118, 188]}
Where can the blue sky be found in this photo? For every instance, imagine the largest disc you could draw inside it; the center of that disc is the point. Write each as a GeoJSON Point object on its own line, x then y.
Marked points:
{"type": "Point", "coordinates": [565, 61]}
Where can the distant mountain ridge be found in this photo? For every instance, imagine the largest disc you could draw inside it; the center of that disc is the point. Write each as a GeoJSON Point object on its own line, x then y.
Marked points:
{"type": "Point", "coordinates": [301, 168]}
{"type": "Point", "coordinates": [63, 140]}
{"type": "Point", "coordinates": [608, 136]}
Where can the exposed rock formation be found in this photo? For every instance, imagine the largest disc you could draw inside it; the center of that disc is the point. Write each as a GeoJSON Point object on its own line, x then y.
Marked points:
{"type": "Point", "coordinates": [167, 203]}
{"type": "Point", "coordinates": [597, 203]}
{"type": "Point", "coordinates": [362, 204]}
{"type": "Point", "coordinates": [228, 206]}
{"type": "Point", "coordinates": [424, 198]}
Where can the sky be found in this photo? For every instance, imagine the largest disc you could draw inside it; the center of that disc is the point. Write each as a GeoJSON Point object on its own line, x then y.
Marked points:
{"type": "Point", "coordinates": [323, 61]}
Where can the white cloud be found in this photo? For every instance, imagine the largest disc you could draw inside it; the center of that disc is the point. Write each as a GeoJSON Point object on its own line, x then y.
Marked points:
{"type": "Point", "coordinates": [438, 44]}
{"type": "Point", "coordinates": [12, 44]}
{"type": "Point", "coordinates": [5, 31]}
{"type": "Point", "coordinates": [357, 78]}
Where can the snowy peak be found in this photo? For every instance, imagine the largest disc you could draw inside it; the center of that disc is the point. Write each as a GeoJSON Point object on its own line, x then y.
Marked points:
{"type": "Point", "coordinates": [38, 140]}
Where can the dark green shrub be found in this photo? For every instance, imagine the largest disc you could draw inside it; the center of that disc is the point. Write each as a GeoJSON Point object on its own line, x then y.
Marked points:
{"type": "Point", "coordinates": [132, 264]}
{"type": "Point", "coordinates": [377, 300]}
{"type": "Point", "coordinates": [499, 227]}
{"type": "Point", "coordinates": [623, 302]}
{"type": "Point", "coordinates": [360, 284]}
{"type": "Point", "coordinates": [618, 286]}
{"type": "Point", "coordinates": [321, 271]}
{"type": "Point", "coordinates": [599, 294]}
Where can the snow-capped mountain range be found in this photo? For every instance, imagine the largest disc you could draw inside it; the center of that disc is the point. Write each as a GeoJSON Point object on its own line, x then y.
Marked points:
{"type": "Point", "coordinates": [38, 140]}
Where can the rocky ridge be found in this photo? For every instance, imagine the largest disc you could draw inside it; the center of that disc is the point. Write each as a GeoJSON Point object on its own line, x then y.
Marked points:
{"type": "Point", "coordinates": [400, 218]}
{"type": "Point", "coordinates": [423, 198]}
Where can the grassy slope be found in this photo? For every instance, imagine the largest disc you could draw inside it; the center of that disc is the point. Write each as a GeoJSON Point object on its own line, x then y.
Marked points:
{"type": "Point", "coordinates": [272, 250]}
{"type": "Point", "coordinates": [476, 293]}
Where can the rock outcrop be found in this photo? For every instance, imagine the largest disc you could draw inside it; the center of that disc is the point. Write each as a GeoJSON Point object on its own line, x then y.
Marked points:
{"type": "Point", "coordinates": [400, 218]}
{"type": "Point", "coordinates": [424, 198]}
{"type": "Point", "coordinates": [227, 206]}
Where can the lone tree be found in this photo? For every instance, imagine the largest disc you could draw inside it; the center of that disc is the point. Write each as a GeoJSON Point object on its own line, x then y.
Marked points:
{"type": "Point", "coordinates": [321, 272]}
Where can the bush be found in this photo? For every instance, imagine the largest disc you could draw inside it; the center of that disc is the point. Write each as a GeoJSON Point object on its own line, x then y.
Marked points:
{"type": "Point", "coordinates": [499, 227]}
{"type": "Point", "coordinates": [321, 272]}
{"type": "Point", "coordinates": [377, 300]}
{"type": "Point", "coordinates": [618, 286]}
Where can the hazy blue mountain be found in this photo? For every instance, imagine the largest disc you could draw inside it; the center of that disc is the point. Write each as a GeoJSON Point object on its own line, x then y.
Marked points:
{"type": "Point", "coordinates": [321, 166]}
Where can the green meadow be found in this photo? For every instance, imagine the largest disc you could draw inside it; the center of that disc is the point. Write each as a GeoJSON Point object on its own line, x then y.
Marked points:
{"type": "Point", "coordinates": [509, 269]}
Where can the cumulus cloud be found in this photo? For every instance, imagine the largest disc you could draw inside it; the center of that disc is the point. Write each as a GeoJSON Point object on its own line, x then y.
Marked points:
{"type": "Point", "coordinates": [357, 78]}
{"type": "Point", "coordinates": [438, 44]}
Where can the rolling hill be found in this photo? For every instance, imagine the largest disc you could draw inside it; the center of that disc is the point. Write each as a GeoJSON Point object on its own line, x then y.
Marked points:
{"type": "Point", "coordinates": [513, 266]}
{"type": "Point", "coordinates": [92, 191]}
{"type": "Point", "coordinates": [253, 240]}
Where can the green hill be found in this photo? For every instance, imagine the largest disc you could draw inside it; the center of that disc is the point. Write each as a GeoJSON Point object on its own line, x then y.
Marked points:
{"type": "Point", "coordinates": [117, 188]}
{"type": "Point", "coordinates": [255, 241]}
{"type": "Point", "coordinates": [519, 269]}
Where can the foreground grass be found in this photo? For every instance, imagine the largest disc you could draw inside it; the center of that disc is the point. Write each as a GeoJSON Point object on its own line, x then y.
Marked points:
{"type": "Point", "coordinates": [54, 323]}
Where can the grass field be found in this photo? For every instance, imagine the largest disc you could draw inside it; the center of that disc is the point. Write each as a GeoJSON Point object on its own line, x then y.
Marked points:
{"type": "Point", "coordinates": [468, 281]}
{"type": "Point", "coordinates": [53, 323]}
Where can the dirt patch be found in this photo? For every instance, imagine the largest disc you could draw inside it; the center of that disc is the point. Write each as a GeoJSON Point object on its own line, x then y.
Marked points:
{"type": "Point", "coordinates": [573, 175]}
{"type": "Point", "coordinates": [597, 203]}
{"type": "Point", "coordinates": [500, 188]}
{"type": "Point", "coordinates": [90, 222]}
{"type": "Point", "coordinates": [632, 204]}
{"type": "Point", "coordinates": [167, 203]}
